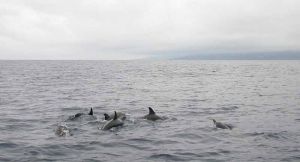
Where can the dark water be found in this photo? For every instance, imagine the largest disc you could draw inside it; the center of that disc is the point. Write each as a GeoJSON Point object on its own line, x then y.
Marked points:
{"type": "Point", "coordinates": [260, 98]}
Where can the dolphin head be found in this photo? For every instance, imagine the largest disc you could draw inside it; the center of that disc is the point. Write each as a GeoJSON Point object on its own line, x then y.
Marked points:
{"type": "Point", "coordinates": [106, 116]}
{"type": "Point", "coordinates": [77, 115]}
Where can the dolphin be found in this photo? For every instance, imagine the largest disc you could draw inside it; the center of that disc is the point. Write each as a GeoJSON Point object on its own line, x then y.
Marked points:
{"type": "Point", "coordinates": [120, 115]}
{"type": "Point", "coordinates": [76, 116]}
{"type": "Point", "coordinates": [115, 122]}
{"type": "Point", "coordinates": [152, 115]}
{"type": "Point", "coordinates": [222, 125]}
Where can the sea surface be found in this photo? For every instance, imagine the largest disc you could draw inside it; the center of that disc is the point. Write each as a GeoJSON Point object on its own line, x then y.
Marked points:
{"type": "Point", "coordinates": [261, 99]}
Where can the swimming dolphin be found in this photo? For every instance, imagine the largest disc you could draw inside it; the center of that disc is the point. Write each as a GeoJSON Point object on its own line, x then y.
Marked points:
{"type": "Point", "coordinates": [120, 115]}
{"type": "Point", "coordinates": [152, 115]}
{"type": "Point", "coordinates": [76, 116]}
{"type": "Point", "coordinates": [222, 125]}
{"type": "Point", "coordinates": [115, 122]}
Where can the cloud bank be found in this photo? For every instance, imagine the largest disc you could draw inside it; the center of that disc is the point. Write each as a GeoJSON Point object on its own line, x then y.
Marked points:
{"type": "Point", "coordinates": [135, 29]}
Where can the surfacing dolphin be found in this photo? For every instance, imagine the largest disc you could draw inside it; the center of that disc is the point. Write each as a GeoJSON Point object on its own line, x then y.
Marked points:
{"type": "Point", "coordinates": [152, 115]}
{"type": "Point", "coordinates": [222, 125]}
{"type": "Point", "coordinates": [120, 115]}
{"type": "Point", "coordinates": [115, 122]}
{"type": "Point", "coordinates": [76, 116]}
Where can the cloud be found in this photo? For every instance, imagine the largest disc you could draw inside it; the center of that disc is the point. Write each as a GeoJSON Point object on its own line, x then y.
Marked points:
{"type": "Point", "coordinates": [132, 29]}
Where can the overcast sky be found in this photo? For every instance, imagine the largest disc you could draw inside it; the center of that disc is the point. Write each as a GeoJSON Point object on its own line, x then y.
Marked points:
{"type": "Point", "coordinates": [135, 29]}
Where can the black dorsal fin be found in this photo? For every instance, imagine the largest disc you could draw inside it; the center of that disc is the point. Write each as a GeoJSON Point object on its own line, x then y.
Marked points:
{"type": "Point", "coordinates": [91, 111]}
{"type": "Point", "coordinates": [115, 117]}
{"type": "Point", "coordinates": [151, 111]}
{"type": "Point", "coordinates": [106, 116]}
{"type": "Point", "coordinates": [214, 121]}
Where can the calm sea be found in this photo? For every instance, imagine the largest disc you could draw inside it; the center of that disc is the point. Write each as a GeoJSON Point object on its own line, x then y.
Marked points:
{"type": "Point", "coordinates": [261, 99]}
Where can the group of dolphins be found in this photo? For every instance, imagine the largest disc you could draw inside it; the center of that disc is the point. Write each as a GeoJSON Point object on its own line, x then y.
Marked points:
{"type": "Point", "coordinates": [117, 119]}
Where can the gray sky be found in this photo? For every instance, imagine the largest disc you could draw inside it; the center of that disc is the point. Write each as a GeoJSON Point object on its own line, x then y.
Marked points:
{"type": "Point", "coordinates": [135, 29]}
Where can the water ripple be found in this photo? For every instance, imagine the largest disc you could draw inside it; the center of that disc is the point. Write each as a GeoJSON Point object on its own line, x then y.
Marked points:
{"type": "Point", "coordinates": [261, 98]}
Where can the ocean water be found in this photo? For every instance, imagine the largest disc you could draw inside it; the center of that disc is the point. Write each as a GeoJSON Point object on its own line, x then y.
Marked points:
{"type": "Point", "coordinates": [261, 99]}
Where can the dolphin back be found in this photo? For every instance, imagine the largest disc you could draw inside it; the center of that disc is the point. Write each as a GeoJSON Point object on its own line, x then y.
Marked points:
{"type": "Point", "coordinates": [152, 115]}
{"type": "Point", "coordinates": [115, 122]}
{"type": "Point", "coordinates": [120, 115]}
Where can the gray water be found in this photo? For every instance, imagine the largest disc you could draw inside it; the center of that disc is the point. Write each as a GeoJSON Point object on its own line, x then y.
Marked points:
{"type": "Point", "coordinates": [261, 99]}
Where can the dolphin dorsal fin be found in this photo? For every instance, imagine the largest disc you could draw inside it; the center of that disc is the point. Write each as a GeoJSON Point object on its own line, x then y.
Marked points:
{"type": "Point", "coordinates": [115, 117]}
{"type": "Point", "coordinates": [91, 111]}
{"type": "Point", "coordinates": [151, 111]}
{"type": "Point", "coordinates": [214, 121]}
{"type": "Point", "coordinates": [106, 116]}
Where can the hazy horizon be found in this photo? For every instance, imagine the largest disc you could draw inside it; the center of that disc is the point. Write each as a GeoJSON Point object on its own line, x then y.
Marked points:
{"type": "Point", "coordinates": [141, 29]}
{"type": "Point", "coordinates": [208, 56]}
